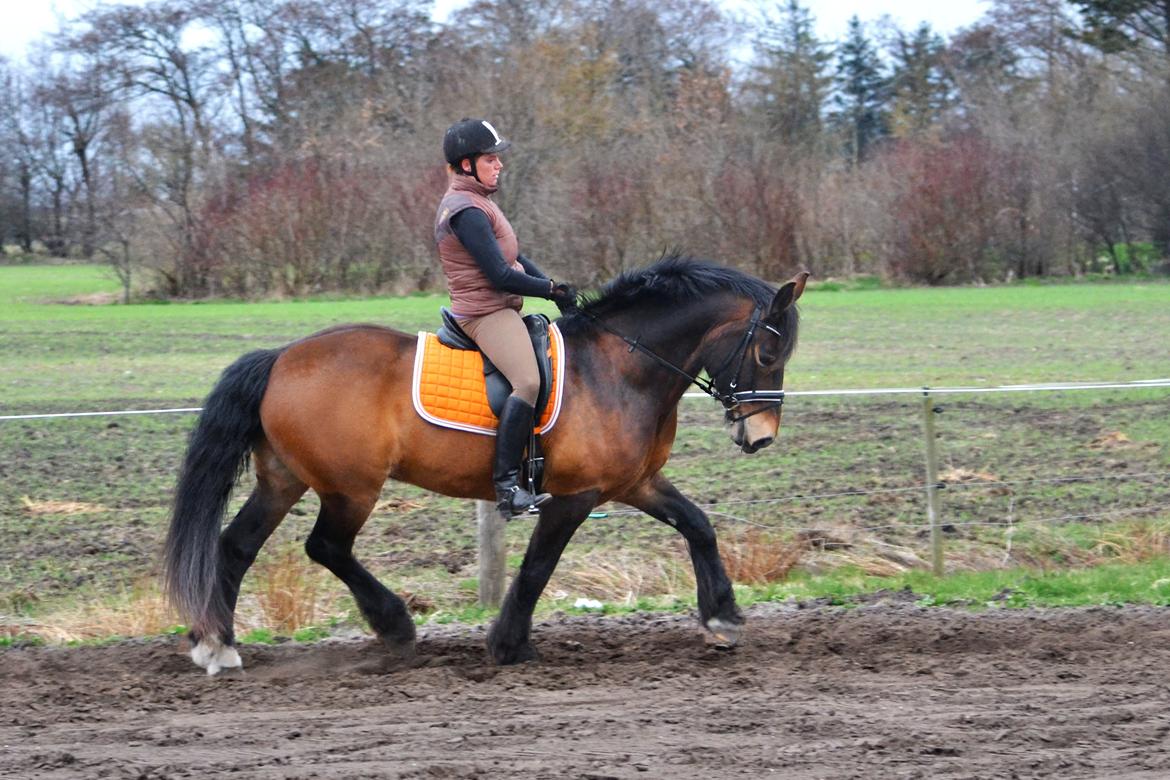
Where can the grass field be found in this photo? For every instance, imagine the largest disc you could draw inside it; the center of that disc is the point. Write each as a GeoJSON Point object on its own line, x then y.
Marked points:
{"type": "Point", "coordinates": [1041, 487]}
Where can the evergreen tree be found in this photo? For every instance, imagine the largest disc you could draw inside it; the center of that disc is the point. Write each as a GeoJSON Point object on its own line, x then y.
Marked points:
{"type": "Point", "coordinates": [920, 86]}
{"type": "Point", "coordinates": [862, 93]}
{"type": "Point", "coordinates": [791, 76]}
{"type": "Point", "coordinates": [1118, 25]}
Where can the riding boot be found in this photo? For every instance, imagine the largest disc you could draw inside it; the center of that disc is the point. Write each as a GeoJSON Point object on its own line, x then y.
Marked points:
{"type": "Point", "coordinates": [516, 421]}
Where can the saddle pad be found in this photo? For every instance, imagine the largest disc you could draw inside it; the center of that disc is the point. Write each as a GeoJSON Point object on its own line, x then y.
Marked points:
{"type": "Point", "coordinates": [448, 386]}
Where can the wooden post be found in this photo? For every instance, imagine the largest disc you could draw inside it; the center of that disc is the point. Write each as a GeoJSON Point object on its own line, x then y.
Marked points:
{"type": "Point", "coordinates": [492, 554]}
{"type": "Point", "coordinates": [932, 507]}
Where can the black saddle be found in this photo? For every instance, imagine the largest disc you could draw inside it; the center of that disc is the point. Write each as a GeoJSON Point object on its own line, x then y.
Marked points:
{"type": "Point", "coordinates": [498, 386]}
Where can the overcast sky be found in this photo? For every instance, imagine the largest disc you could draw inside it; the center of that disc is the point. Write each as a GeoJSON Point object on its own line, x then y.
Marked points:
{"type": "Point", "coordinates": [25, 21]}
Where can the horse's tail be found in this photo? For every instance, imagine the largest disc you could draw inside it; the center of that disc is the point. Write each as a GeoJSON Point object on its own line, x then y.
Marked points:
{"type": "Point", "coordinates": [217, 453]}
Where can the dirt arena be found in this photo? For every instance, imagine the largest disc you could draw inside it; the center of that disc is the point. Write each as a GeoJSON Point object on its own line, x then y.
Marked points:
{"type": "Point", "coordinates": [885, 689]}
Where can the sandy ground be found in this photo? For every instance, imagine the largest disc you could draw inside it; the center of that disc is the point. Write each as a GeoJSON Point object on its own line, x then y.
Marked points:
{"type": "Point", "coordinates": [886, 689]}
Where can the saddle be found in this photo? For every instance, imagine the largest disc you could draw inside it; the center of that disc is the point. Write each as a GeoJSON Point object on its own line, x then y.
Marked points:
{"type": "Point", "coordinates": [498, 386]}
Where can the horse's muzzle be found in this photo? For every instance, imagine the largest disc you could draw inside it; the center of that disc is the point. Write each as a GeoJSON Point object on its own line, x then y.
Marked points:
{"type": "Point", "coordinates": [741, 436]}
{"type": "Point", "coordinates": [757, 445]}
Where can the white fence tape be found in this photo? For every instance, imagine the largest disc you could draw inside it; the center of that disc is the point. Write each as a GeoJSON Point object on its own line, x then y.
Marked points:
{"type": "Point", "coordinates": [1026, 388]}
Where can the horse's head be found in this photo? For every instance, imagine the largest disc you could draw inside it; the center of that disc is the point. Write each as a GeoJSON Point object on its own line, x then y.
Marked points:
{"type": "Point", "coordinates": [752, 379]}
{"type": "Point", "coordinates": [746, 331]}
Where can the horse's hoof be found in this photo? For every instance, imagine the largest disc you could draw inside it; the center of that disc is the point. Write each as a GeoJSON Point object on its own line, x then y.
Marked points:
{"type": "Point", "coordinates": [516, 655]}
{"type": "Point", "coordinates": [722, 634]}
{"type": "Point", "coordinates": [400, 649]}
{"type": "Point", "coordinates": [214, 656]}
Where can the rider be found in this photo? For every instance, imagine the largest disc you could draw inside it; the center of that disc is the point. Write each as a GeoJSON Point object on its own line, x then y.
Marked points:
{"type": "Point", "coordinates": [488, 277]}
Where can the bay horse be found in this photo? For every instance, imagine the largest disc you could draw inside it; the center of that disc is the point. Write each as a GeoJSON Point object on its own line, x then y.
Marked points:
{"type": "Point", "coordinates": [333, 413]}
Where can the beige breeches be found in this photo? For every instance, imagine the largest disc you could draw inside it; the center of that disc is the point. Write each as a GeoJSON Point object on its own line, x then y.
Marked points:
{"type": "Point", "coordinates": [503, 338]}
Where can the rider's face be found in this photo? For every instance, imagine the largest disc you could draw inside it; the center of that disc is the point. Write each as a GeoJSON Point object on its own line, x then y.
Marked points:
{"type": "Point", "coordinates": [487, 167]}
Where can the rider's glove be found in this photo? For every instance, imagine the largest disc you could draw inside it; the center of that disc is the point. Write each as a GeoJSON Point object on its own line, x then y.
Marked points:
{"type": "Point", "coordinates": [564, 296]}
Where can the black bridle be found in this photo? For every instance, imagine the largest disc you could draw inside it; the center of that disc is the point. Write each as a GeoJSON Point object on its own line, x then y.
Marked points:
{"type": "Point", "coordinates": [732, 398]}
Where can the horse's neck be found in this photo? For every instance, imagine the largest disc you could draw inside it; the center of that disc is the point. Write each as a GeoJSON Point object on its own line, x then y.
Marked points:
{"type": "Point", "coordinates": [674, 335]}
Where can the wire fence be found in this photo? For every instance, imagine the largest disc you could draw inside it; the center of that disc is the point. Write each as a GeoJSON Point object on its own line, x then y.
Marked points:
{"type": "Point", "coordinates": [945, 516]}
{"type": "Point", "coordinates": [870, 391]}
{"type": "Point", "coordinates": [917, 488]}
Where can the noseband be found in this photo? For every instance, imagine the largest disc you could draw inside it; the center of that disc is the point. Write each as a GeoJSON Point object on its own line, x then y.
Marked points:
{"type": "Point", "coordinates": [732, 398]}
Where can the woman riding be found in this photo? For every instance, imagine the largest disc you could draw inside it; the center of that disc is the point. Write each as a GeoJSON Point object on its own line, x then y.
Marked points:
{"type": "Point", "coordinates": [488, 277]}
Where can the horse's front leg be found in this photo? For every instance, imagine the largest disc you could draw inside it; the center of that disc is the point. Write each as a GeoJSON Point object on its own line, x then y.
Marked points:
{"type": "Point", "coordinates": [508, 641]}
{"type": "Point", "coordinates": [717, 608]}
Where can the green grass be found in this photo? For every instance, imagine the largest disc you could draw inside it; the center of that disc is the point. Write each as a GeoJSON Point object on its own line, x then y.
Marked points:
{"type": "Point", "coordinates": [119, 472]}
{"type": "Point", "coordinates": [1103, 585]}
{"type": "Point", "coordinates": [56, 357]}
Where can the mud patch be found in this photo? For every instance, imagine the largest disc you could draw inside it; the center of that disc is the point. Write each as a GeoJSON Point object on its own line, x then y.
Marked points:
{"type": "Point", "coordinates": [887, 690]}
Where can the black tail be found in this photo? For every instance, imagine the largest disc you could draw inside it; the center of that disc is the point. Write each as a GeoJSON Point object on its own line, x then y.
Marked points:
{"type": "Point", "coordinates": [217, 453]}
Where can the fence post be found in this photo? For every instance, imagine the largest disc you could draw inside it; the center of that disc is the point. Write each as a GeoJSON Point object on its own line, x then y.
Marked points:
{"type": "Point", "coordinates": [932, 508]}
{"type": "Point", "coordinates": [492, 554]}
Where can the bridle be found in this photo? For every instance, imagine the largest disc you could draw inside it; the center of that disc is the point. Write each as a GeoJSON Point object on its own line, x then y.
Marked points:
{"type": "Point", "coordinates": [732, 398]}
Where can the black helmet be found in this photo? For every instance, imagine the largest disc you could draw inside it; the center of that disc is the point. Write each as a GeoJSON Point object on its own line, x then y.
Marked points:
{"type": "Point", "coordinates": [469, 137]}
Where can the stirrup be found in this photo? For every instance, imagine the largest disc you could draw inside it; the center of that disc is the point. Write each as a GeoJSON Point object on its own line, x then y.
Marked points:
{"type": "Point", "coordinates": [507, 504]}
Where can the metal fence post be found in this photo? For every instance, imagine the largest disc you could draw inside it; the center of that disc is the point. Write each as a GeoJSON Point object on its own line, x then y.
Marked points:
{"type": "Point", "coordinates": [932, 507]}
{"type": "Point", "coordinates": [492, 554]}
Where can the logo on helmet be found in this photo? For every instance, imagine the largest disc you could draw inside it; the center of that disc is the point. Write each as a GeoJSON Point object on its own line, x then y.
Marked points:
{"type": "Point", "coordinates": [495, 135]}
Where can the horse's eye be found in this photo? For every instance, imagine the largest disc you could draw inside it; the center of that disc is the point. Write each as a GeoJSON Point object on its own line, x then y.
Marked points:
{"type": "Point", "coordinates": [763, 356]}
{"type": "Point", "coordinates": [768, 350]}
{"type": "Point", "coordinates": [767, 354]}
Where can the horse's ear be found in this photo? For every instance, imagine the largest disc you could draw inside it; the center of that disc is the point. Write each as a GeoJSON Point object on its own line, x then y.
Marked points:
{"type": "Point", "coordinates": [789, 293]}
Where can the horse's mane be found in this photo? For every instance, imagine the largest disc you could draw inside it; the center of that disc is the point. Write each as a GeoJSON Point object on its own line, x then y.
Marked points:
{"type": "Point", "coordinates": [677, 279]}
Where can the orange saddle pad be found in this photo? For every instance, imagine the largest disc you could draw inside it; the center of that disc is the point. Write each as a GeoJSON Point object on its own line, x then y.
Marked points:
{"type": "Point", "coordinates": [449, 389]}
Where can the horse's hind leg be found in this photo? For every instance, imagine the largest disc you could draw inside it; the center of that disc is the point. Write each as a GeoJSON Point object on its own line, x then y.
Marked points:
{"type": "Point", "coordinates": [508, 640]}
{"type": "Point", "coordinates": [275, 493]}
{"type": "Point", "coordinates": [331, 545]}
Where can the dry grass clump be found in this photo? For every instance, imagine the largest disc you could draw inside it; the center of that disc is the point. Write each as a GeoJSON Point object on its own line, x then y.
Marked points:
{"type": "Point", "coordinates": [284, 594]}
{"type": "Point", "coordinates": [1113, 440]}
{"type": "Point", "coordinates": [1137, 542]}
{"type": "Point", "coordinates": [955, 475]}
{"type": "Point", "coordinates": [142, 610]}
{"type": "Point", "coordinates": [624, 577]}
{"type": "Point", "coordinates": [59, 507]}
{"type": "Point", "coordinates": [754, 557]}
{"type": "Point", "coordinates": [870, 557]}
{"type": "Point", "coordinates": [287, 588]}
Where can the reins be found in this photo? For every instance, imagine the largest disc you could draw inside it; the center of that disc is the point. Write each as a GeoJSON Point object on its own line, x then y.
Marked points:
{"type": "Point", "coordinates": [730, 400]}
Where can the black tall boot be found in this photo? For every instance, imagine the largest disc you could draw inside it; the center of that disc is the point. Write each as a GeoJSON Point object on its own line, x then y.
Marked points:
{"type": "Point", "coordinates": [516, 421]}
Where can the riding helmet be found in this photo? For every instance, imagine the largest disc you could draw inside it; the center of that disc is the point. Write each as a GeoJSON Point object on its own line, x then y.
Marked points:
{"type": "Point", "coordinates": [469, 137]}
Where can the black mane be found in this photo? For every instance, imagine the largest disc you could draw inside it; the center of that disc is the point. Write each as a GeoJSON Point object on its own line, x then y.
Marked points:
{"type": "Point", "coordinates": [678, 279]}
{"type": "Point", "coordinates": [675, 279]}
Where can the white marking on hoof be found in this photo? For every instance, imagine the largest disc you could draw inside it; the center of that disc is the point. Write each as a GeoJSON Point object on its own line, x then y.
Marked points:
{"type": "Point", "coordinates": [724, 634]}
{"type": "Point", "coordinates": [215, 656]}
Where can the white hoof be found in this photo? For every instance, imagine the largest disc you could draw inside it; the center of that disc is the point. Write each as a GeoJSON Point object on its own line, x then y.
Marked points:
{"type": "Point", "coordinates": [724, 634]}
{"type": "Point", "coordinates": [215, 656]}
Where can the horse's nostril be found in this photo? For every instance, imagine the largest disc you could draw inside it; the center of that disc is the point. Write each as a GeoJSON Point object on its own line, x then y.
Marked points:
{"type": "Point", "coordinates": [759, 444]}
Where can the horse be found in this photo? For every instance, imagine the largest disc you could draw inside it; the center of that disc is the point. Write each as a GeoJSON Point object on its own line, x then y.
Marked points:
{"type": "Point", "coordinates": [332, 412]}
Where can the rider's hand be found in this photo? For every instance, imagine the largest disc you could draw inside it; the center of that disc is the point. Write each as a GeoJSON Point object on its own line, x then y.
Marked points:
{"type": "Point", "coordinates": [564, 296]}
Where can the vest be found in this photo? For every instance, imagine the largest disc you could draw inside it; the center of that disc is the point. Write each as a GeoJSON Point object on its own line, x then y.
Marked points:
{"type": "Point", "coordinates": [472, 295]}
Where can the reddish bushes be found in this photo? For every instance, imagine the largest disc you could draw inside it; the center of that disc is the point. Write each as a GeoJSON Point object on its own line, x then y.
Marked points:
{"type": "Point", "coordinates": [944, 202]}
{"type": "Point", "coordinates": [305, 227]}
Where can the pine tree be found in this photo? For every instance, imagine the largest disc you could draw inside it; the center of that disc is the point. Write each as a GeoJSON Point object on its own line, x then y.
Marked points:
{"type": "Point", "coordinates": [862, 93]}
{"type": "Point", "coordinates": [920, 86]}
{"type": "Point", "coordinates": [1117, 25]}
{"type": "Point", "coordinates": [791, 76]}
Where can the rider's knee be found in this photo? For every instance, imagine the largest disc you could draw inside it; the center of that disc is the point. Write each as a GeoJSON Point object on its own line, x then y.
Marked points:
{"type": "Point", "coordinates": [527, 390]}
